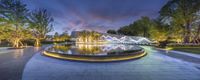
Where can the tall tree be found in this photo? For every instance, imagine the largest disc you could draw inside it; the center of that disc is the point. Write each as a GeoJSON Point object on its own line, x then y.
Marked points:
{"type": "Point", "coordinates": [140, 27]}
{"type": "Point", "coordinates": [144, 25]}
{"type": "Point", "coordinates": [159, 32]}
{"type": "Point", "coordinates": [14, 13]}
{"type": "Point", "coordinates": [41, 24]}
{"type": "Point", "coordinates": [88, 36]}
{"type": "Point", "coordinates": [181, 13]}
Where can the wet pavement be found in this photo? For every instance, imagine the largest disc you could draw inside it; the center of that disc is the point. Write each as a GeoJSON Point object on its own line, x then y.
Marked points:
{"type": "Point", "coordinates": [155, 66]}
{"type": "Point", "coordinates": [13, 61]}
{"type": "Point", "coordinates": [27, 64]}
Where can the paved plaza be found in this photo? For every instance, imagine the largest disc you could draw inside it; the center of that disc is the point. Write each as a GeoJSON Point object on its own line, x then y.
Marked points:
{"type": "Point", "coordinates": [157, 65]}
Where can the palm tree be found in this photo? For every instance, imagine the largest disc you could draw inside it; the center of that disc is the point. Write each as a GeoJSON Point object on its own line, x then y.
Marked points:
{"type": "Point", "coordinates": [40, 24]}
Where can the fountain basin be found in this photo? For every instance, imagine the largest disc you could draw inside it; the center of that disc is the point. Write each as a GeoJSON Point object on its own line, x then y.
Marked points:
{"type": "Point", "coordinates": [95, 53]}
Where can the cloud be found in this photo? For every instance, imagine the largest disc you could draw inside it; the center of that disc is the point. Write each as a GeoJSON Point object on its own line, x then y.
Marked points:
{"type": "Point", "coordinates": [99, 15]}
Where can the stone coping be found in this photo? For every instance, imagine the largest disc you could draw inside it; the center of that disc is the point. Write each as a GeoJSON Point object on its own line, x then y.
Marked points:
{"type": "Point", "coordinates": [134, 55]}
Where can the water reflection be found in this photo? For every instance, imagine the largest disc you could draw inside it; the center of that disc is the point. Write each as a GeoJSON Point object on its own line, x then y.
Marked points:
{"type": "Point", "coordinates": [18, 53]}
{"type": "Point", "coordinates": [88, 49]}
{"type": "Point", "coordinates": [61, 48]}
{"type": "Point", "coordinates": [93, 49]}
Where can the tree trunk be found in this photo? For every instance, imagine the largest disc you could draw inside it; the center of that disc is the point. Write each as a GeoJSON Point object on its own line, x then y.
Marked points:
{"type": "Point", "coordinates": [187, 33]}
{"type": "Point", "coordinates": [196, 37]}
{"type": "Point", "coordinates": [17, 40]}
{"type": "Point", "coordinates": [16, 43]}
{"type": "Point", "coordinates": [37, 43]}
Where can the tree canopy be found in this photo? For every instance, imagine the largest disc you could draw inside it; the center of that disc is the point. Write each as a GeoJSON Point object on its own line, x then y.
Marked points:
{"type": "Point", "coordinates": [179, 20]}
{"type": "Point", "coordinates": [40, 23]}
{"type": "Point", "coordinates": [17, 25]}
{"type": "Point", "coordinates": [111, 32]}
{"type": "Point", "coordinates": [181, 15]}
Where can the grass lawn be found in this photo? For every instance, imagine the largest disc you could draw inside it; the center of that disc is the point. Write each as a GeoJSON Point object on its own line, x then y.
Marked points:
{"type": "Point", "coordinates": [195, 50]}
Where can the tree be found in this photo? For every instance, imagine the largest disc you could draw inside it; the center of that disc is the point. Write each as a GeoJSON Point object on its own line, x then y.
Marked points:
{"type": "Point", "coordinates": [2, 32]}
{"type": "Point", "coordinates": [64, 37]}
{"type": "Point", "coordinates": [83, 36]}
{"type": "Point", "coordinates": [88, 36]}
{"type": "Point", "coordinates": [140, 27]}
{"type": "Point", "coordinates": [111, 32]}
{"type": "Point", "coordinates": [56, 36]}
{"type": "Point", "coordinates": [40, 24]}
{"type": "Point", "coordinates": [144, 25]}
{"type": "Point", "coordinates": [197, 36]}
{"type": "Point", "coordinates": [159, 32]}
{"type": "Point", "coordinates": [95, 36]}
{"type": "Point", "coordinates": [128, 30]}
{"type": "Point", "coordinates": [14, 13]}
{"type": "Point", "coordinates": [181, 13]}
{"type": "Point", "coordinates": [1, 29]}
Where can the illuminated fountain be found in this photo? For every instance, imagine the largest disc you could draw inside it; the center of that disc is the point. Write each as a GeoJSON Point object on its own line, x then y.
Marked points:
{"type": "Point", "coordinates": [96, 47]}
{"type": "Point", "coordinates": [95, 53]}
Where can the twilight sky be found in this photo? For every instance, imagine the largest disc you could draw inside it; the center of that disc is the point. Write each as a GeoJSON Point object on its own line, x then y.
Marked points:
{"type": "Point", "coordinates": [98, 15]}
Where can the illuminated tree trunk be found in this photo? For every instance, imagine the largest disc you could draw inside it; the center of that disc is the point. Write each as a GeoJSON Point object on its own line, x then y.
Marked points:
{"type": "Point", "coordinates": [37, 43]}
{"type": "Point", "coordinates": [16, 43]}
{"type": "Point", "coordinates": [16, 35]}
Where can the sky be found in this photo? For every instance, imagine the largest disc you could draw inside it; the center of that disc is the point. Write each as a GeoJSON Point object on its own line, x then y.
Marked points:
{"type": "Point", "coordinates": [97, 15]}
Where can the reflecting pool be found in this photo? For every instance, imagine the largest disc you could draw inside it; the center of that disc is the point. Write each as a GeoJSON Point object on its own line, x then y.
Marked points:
{"type": "Point", "coordinates": [95, 52]}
